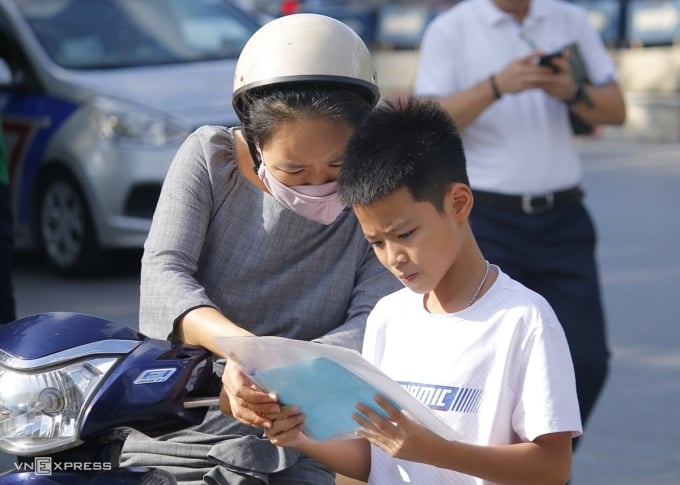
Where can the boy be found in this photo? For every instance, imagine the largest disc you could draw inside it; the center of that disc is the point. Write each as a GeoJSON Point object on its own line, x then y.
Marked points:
{"type": "Point", "coordinates": [491, 349]}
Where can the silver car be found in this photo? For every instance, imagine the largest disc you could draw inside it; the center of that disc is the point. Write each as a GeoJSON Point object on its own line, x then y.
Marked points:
{"type": "Point", "coordinates": [96, 97]}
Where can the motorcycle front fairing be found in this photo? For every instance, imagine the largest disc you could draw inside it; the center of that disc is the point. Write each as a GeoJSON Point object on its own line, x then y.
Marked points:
{"type": "Point", "coordinates": [72, 384]}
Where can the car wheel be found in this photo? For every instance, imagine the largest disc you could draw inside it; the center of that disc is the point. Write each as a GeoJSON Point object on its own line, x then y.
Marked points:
{"type": "Point", "coordinates": [62, 226]}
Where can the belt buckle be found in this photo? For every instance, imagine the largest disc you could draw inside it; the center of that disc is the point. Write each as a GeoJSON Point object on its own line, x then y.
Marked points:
{"type": "Point", "coordinates": [529, 206]}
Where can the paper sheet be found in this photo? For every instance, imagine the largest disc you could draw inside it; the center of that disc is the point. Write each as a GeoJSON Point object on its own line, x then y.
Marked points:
{"type": "Point", "coordinates": [325, 381]}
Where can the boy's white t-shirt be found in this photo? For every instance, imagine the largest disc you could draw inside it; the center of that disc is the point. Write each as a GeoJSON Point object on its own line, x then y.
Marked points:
{"type": "Point", "coordinates": [498, 372]}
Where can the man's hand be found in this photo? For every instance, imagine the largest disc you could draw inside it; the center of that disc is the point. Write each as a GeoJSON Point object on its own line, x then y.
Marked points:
{"type": "Point", "coordinates": [559, 83]}
{"type": "Point", "coordinates": [525, 73]}
{"type": "Point", "coordinates": [521, 74]}
{"type": "Point", "coordinates": [242, 399]}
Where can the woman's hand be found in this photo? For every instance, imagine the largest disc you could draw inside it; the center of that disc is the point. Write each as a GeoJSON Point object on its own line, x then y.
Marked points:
{"type": "Point", "coordinates": [242, 399]}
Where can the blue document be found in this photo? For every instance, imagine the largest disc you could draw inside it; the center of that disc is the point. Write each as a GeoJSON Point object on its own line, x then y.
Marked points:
{"type": "Point", "coordinates": [324, 391]}
{"type": "Point", "coordinates": [325, 382]}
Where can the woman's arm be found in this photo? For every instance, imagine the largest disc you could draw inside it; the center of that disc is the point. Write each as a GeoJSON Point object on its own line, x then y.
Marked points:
{"type": "Point", "coordinates": [200, 325]}
{"type": "Point", "coordinates": [172, 300]}
{"type": "Point", "coordinates": [239, 396]}
{"type": "Point", "coordinates": [168, 288]}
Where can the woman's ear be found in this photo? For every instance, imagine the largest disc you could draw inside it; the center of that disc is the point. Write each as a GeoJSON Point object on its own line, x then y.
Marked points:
{"type": "Point", "coordinates": [459, 197]}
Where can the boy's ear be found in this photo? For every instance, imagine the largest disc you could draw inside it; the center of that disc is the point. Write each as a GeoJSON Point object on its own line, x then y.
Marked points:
{"type": "Point", "coordinates": [460, 197]}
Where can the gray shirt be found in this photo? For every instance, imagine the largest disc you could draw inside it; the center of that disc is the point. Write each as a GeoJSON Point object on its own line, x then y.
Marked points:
{"type": "Point", "coordinates": [218, 240]}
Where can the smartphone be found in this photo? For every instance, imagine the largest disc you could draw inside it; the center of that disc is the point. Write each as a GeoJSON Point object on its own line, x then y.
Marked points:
{"type": "Point", "coordinates": [546, 60]}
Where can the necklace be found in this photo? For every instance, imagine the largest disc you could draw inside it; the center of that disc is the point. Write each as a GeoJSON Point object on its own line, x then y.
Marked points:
{"type": "Point", "coordinates": [481, 285]}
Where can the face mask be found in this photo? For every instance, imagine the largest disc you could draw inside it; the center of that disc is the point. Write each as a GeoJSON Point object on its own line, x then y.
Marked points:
{"type": "Point", "coordinates": [318, 203]}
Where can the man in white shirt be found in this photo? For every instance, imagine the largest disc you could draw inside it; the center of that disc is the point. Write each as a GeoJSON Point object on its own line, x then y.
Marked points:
{"type": "Point", "coordinates": [480, 61]}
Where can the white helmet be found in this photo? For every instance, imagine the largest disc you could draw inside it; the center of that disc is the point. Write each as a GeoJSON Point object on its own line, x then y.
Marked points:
{"type": "Point", "coordinates": [304, 47]}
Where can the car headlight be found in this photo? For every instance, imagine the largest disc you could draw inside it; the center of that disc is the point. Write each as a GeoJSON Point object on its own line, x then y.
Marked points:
{"type": "Point", "coordinates": [128, 123]}
{"type": "Point", "coordinates": [41, 410]}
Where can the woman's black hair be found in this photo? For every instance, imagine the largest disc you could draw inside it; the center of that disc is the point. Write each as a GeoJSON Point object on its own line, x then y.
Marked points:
{"type": "Point", "coordinates": [265, 109]}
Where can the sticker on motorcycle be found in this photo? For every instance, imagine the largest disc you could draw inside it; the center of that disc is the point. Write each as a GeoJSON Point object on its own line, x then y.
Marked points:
{"type": "Point", "coordinates": [151, 376]}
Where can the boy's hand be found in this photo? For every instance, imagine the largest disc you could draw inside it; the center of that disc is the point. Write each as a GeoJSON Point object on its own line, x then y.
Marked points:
{"type": "Point", "coordinates": [397, 435]}
{"type": "Point", "coordinates": [286, 429]}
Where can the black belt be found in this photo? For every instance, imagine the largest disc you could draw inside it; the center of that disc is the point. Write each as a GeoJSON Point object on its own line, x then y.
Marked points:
{"type": "Point", "coordinates": [531, 204]}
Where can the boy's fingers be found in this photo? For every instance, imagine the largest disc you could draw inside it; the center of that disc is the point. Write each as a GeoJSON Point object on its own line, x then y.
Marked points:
{"type": "Point", "coordinates": [369, 419]}
{"type": "Point", "coordinates": [255, 400]}
{"type": "Point", "coordinates": [364, 423]}
{"type": "Point", "coordinates": [287, 424]}
{"type": "Point", "coordinates": [367, 412]}
{"type": "Point", "coordinates": [285, 431]}
{"type": "Point", "coordinates": [284, 412]}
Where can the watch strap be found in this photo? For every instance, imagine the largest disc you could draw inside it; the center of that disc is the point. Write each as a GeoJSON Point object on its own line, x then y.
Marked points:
{"type": "Point", "coordinates": [578, 93]}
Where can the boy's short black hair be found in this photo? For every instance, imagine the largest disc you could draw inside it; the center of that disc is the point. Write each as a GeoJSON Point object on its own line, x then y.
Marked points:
{"type": "Point", "coordinates": [412, 143]}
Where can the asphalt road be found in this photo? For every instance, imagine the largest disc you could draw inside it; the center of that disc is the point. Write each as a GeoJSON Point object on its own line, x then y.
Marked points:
{"type": "Point", "coordinates": [634, 435]}
{"type": "Point", "coordinates": [633, 191]}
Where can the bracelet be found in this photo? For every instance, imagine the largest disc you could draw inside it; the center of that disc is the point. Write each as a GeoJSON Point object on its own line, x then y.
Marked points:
{"type": "Point", "coordinates": [496, 92]}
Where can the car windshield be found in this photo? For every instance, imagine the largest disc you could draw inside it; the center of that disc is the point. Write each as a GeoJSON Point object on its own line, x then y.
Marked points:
{"type": "Point", "coordinates": [100, 34]}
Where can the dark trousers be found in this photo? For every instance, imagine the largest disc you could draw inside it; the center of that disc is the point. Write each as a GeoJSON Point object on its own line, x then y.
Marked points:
{"type": "Point", "coordinates": [6, 246]}
{"type": "Point", "coordinates": [553, 253]}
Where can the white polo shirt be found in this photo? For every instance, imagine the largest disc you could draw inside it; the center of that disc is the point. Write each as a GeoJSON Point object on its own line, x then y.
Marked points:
{"type": "Point", "coordinates": [521, 144]}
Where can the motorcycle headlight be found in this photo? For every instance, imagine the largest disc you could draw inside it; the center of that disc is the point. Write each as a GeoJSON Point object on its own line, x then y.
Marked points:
{"type": "Point", "coordinates": [41, 410]}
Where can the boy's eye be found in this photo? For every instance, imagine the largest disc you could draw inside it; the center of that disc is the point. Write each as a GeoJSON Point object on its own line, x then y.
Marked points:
{"type": "Point", "coordinates": [407, 234]}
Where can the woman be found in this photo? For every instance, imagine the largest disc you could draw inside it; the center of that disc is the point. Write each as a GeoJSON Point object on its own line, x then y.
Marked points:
{"type": "Point", "coordinates": [249, 238]}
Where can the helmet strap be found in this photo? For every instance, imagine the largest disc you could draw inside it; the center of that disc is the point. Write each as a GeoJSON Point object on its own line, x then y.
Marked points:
{"type": "Point", "coordinates": [255, 155]}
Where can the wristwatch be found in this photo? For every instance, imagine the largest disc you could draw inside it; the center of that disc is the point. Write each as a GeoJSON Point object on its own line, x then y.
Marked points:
{"type": "Point", "coordinates": [579, 94]}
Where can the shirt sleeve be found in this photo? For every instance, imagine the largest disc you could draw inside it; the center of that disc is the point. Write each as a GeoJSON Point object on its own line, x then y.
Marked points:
{"type": "Point", "coordinates": [435, 75]}
{"type": "Point", "coordinates": [547, 401]}
{"type": "Point", "coordinates": [373, 282]}
{"type": "Point", "coordinates": [168, 288]}
{"type": "Point", "coordinates": [600, 66]}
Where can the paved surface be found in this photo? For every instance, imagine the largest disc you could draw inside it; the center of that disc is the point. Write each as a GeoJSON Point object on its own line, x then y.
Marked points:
{"type": "Point", "coordinates": [633, 191]}
{"type": "Point", "coordinates": [634, 435]}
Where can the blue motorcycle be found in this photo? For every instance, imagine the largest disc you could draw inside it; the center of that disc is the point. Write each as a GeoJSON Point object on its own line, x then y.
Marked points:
{"type": "Point", "coordinates": [73, 385]}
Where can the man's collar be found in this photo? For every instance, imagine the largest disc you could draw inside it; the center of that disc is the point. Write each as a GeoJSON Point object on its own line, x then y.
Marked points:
{"type": "Point", "coordinates": [538, 10]}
